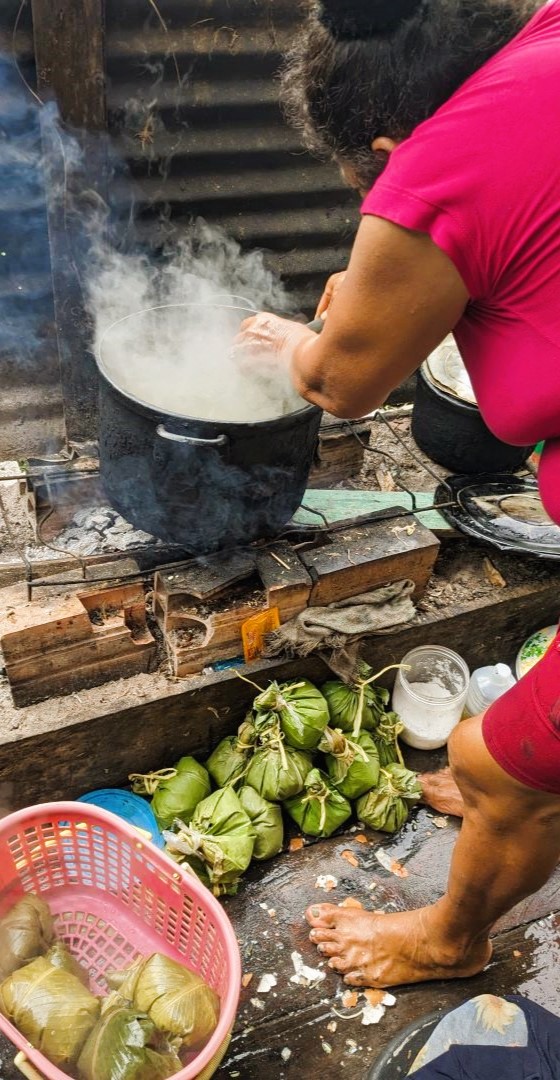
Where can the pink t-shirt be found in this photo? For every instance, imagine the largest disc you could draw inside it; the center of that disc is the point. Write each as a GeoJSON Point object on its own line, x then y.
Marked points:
{"type": "Point", "coordinates": [482, 178]}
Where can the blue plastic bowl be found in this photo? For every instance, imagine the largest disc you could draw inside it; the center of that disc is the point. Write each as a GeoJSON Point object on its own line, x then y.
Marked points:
{"type": "Point", "coordinates": [131, 808]}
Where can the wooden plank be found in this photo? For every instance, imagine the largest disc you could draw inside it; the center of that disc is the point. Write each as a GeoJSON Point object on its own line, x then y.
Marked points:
{"type": "Point", "coordinates": [285, 579]}
{"type": "Point", "coordinates": [345, 504]}
{"type": "Point", "coordinates": [354, 560]}
{"type": "Point", "coordinates": [46, 750]}
{"type": "Point", "coordinates": [69, 51]}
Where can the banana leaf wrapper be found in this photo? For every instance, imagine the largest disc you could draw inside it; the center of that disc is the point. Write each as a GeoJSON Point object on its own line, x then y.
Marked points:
{"type": "Point", "coordinates": [122, 1046]}
{"type": "Point", "coordinates": [355, 708]}
{"type": "Point", "coordinates": [26, 932]}
{"type": "Point", "coordinates": [301, 709]}
{"type": "Point", "coordinates": [352, 766]}
{"type": "Point", "coordinates": [175, 792]}
{"type": "Point", "coordinates": [278, 772]}
{"type": "Point", "coordinates": [320, 809]}
{"type": "Point", "coordinates": [59, 956]}
{"type": "Point", "coordinates": [229, 762]}
{"type": "Point", "coordinates": [386, 738]}
{"type": "Point", "coordinates": [267, 821]}
{"type": "Point", "coordinates": [387, 808]}
{"type": "Point", "coordinates": [51, 1008]}
{"type": "Point", "coordinates": [178, 1001]}
{"type": "Point", "coordinates": [219, 836]}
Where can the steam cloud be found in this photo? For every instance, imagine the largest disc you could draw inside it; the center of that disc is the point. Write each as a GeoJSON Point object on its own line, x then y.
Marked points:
{"type": "Point", "coordinates": [179, 358]}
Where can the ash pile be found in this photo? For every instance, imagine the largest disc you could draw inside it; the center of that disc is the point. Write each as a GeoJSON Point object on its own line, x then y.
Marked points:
{"type": "Point", "coordinates": [101, 530]}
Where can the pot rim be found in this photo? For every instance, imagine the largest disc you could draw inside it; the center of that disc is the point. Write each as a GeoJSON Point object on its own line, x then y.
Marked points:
{"type": "Point", "coordinates": [448, 399]}
{"type": "Point", "coordinates": [152, 411]}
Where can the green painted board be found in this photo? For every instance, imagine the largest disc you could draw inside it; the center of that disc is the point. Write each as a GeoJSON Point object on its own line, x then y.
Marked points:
{"type": "Point", "coordinates": [340, 504]}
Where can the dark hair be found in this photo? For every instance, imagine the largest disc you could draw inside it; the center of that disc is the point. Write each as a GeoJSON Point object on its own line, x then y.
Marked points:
{"type": "Point", "coordinates": [366, 68]}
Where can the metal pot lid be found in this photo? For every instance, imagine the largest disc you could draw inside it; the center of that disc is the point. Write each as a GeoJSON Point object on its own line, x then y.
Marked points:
{"type": "Point", "coordinates": [446, 370]}
{"type": "Point", "coordinates": [506, 511]}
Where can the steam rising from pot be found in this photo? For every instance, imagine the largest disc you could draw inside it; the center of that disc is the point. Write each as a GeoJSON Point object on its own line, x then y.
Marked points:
{"type": "Point", "coordinates": [164, 332]}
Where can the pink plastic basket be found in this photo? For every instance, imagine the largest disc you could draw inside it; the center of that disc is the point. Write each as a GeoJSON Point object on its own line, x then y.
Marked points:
{"type": "Point", "coordinates": [114, 896]}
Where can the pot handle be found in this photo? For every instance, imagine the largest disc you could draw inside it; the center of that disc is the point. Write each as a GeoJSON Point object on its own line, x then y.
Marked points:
{"type": "Point", "coordinates": [189, 440]}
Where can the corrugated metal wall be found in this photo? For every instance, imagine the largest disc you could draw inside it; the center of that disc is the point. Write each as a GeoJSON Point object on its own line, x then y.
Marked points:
{"type": "Point", "coordinates": [30, 398]}
{"type": "Point", "coordinates": [203, 132]}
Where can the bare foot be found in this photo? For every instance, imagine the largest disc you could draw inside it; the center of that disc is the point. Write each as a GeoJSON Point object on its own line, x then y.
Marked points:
{"type": "Point", "coordinates": [440, 792]}
{"type": "Point", "coordinates": [377, 950]}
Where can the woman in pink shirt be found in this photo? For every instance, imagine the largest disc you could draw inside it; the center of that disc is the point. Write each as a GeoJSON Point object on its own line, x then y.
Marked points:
{"type": "Point", "coordinates": [445, 115]}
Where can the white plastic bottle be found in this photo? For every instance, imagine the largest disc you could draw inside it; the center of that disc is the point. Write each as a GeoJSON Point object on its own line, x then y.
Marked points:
{"type": "Point", "coordinates": [486, 686]}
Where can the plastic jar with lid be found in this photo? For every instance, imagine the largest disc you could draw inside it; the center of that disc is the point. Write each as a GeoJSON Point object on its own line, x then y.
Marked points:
{"type": "Point", "coordinates": [430, 694]}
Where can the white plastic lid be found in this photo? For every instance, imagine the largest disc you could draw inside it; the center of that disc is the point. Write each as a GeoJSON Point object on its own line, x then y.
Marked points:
{"type": "Point", "coordinates": [503, 675]}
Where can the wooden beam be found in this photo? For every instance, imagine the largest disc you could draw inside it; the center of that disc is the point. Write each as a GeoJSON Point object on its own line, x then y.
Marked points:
{"type": "Point", "coordinates": [69, 52]}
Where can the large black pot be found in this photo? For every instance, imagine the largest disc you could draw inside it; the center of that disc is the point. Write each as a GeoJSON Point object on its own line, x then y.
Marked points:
{"type": "Point", "coordinates": [452, 433]}
{"type": "Point", "coordinates": [201, 484]}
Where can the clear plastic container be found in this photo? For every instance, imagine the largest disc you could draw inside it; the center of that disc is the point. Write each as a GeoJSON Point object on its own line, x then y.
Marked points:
{"type": "Point", "coordinates": [430, 694]}
{"type": "Point", "coordinates": [486, 686]}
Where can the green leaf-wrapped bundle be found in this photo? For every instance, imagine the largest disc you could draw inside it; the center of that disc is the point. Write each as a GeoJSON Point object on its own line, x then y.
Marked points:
{"type": "Point", "coordinates": [176, 792]}
{"type": "Point", "coordinates": [59, 956]}
{"type": "Point", "coordinates": [301, 709]}
{"type": "Point", "coordinates": [220, 839]}
{"type": "Point", "coordinates": [277, 771]}
{"type": "Point", "coordinates": [51, 1008]}
{"type": "Point", "coordinates": [267, 822]}
{"type": "Point", "coordinates": [353, 767]}
{"type": "Point", "coordinates": [386, 738]}
{"type": "Point", "coordinates": [120, 1048]}
{"type": "Point", "coordinates": [320, 809]}
{"type": "Point", "coordinates": [177, 1000]}
{"type": "Point", "coordinates": [26, 932]}
{"type": "Point", "coordinates": [387, 808]}
{"type": "Point", "coordinates": [229, 762]}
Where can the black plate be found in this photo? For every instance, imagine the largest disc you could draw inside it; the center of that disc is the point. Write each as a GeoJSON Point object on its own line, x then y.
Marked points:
{"type": "Point", "coordinates": [506, 511]}
{"type": "Point", "coordinates": [398, 1057]}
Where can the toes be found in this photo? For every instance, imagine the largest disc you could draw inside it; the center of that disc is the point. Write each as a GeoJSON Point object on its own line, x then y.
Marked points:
{"type": "Point", "coordinates": [338, 963]}
{"type": "Point", "coordinates": [321, 935]}
{"type": "Point", "coordinates": [329, 948]}
{"type": "Point", "coordinates": [357, 978]}
{"type": "Point", "coordinates": [321, 915]}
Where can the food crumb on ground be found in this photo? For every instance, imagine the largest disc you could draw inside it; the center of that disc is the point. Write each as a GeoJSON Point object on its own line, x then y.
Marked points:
{"type": "Point", "coordinates": [326, 882]}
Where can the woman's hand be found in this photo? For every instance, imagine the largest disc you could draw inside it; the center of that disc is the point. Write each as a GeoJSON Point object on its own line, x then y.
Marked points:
{"type": "Point", "coordinates": [332, 286]}
{"type": "Point", "coordinates": [270, 338]}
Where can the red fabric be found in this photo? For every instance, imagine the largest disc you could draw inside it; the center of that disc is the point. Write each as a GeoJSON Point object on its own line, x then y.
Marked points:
{"type": "Point", "coordinates": [522, 729]}
{"type": "Point", "coordinates": [482, 178]}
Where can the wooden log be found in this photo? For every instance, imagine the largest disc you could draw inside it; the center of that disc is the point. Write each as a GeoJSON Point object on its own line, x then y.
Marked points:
{"type": "Point", "coordinates": [339, 453]}
{"type": "Point", "coordinates": [355, 560]}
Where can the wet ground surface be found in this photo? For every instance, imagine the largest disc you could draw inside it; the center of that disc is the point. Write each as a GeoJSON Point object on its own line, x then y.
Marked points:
{"type": "Point", "coordinates": [296, 1032]}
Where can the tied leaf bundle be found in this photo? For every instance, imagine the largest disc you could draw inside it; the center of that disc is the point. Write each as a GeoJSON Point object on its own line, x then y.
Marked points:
{"type": "Point", "coordinates": [353, 767]}
{"type": "Point", "coordinates": [229, 763]}
{"type": "Point", "coordinates": [59, 956]}
{"type": "Point", "coordinates": [218, 843]}
{"type": "Point", "coordinates": [25, 933]}
{"type": "Point", "coordinates": [51, 1008]}
{"type": "Point", "coordinates": [301, 709]}
{"type": "Point", "coordinates": [387, 808]}
{"type": "Point", "coordinates": [277, 771]}
{"type": "Point", "coordinates": [177, 1001]}
{"type": "Point", "coordinates": [120, 1047]}
{"type": "Point", "coordinates": [267, 821]}
{"type": "Point", "coordinates": [359, 707]}
{"type": "Point", "coordinates": [176, 792]}
{"type": "Point", "coordinates": [320, 809]}
{"type": "Point", "coordinates": [386, 738]}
